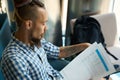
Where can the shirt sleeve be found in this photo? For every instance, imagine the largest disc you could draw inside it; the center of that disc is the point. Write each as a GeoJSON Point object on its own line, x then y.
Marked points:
{"type": "Point", "coordinates": [14, 68]}
{"type": "Point", "coordinates": [51, 50]}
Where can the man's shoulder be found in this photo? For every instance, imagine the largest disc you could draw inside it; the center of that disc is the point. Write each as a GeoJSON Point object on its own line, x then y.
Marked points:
{"type": "Point", "coordinates": [12, 53]}
{"type": "Point", "coordinates": [11, 49]}
{"type": "Point", "coordinates": [12, 46]}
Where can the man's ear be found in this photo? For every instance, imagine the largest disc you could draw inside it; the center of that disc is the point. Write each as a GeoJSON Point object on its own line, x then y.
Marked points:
{"type": "Point", "coordinates": [28, 24]}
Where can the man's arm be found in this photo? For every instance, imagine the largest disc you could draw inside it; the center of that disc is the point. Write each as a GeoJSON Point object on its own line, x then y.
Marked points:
{"type": "Point", "coordinates": [62, 52]}
{"type": "Point", "coordinates": [71, 50]}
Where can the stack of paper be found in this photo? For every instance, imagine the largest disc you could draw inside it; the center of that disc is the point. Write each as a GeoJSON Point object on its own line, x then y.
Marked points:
{"type": "Point", "coordinates": [93, 63]}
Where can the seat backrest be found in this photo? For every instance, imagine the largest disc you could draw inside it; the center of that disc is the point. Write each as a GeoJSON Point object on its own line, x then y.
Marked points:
{"type": "Point", "coordinates": [5, 29]}
{"type": "Point", "coordinates": [108, 27]}
{"type": "Point", "coordinates": [5, 36]}
{"type": "Point", "coordinates": [5, 33]}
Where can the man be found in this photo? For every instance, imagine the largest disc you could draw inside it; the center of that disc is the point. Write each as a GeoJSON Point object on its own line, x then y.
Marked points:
{"type": "Point", "coordinates": [25, 57]}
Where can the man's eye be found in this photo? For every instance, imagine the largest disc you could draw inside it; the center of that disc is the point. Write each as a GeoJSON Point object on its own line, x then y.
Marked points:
{"type": "Point", "coordinates": [44, 23]}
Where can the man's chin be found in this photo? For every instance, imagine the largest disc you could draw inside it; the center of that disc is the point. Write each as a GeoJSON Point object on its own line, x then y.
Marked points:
{"type": "Point", "coordinates": [35, 40]}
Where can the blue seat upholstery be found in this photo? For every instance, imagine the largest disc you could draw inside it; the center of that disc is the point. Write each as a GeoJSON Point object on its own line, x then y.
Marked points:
{"type": "Point", "coordinates": [5, 33]}
{"type": "Point", "coordinates": [5, 36]}
{"type": "Point", "coordinates": [5, 28]}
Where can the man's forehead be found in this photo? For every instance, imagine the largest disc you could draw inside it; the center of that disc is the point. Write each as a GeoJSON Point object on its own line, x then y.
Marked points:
{"type": "Point", "coordinates": [43, 15]}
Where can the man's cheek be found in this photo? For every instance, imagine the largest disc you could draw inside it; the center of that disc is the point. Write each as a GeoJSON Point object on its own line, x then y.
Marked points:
{"type": "Point", "coordinates": [37, 34]}
{"type": "Point", "coordinates": [38, 30]}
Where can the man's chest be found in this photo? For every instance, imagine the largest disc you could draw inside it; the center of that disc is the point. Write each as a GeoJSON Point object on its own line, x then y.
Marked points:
{"type": "Point", "coordinates": [37, 64]}
{"type": "Point", "coordinates": [37, 59]}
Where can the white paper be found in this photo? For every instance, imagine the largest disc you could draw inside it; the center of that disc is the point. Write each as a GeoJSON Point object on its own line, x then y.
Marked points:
{"type": "Point", "coordinates": [91, 63]}
{"type": "Point", "coordinates": [115, 76]}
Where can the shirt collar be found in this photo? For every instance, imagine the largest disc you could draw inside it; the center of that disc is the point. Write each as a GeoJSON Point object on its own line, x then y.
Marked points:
{"type": "Point", "coordinates": [20, 43]}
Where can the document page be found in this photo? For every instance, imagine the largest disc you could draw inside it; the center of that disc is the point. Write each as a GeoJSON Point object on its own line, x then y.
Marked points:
{"type": "Point", "coordinates": [115, 76]}
{"type": "Point", "coordinates": [91, 63]}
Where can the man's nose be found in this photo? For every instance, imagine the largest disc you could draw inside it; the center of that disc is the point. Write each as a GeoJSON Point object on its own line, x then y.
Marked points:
{"type": "Point", "coordinates": [46, 28]}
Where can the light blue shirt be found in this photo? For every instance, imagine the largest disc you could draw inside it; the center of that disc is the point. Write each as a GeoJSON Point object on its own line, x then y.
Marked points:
{"type": "Point", "coordinates": [22, 62]}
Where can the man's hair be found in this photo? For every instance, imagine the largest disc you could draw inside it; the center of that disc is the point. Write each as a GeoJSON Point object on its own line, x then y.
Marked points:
{"type": "Point", "coordinates": [27, 11]}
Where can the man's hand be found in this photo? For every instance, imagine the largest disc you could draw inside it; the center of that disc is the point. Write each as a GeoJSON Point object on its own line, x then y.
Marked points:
{"type": "Point", "coordinates": [87, 44]}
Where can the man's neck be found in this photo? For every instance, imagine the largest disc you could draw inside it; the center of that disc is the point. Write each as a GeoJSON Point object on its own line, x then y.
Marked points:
{"type": "Point", "coordinates": [23, 36]}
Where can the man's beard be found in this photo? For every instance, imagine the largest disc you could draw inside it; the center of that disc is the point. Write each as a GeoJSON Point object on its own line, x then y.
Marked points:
{"type": "Point", "coordinates": [36, 41]}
